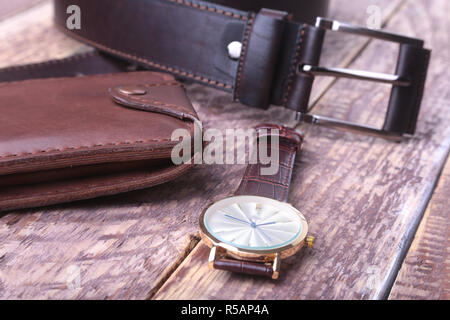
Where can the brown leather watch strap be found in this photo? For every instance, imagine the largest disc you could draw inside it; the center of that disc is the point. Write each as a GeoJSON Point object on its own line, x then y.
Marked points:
{"type": "Point", "coordinates": [246, 267]}
{"type": "Point", "coordinates": [274, 186]}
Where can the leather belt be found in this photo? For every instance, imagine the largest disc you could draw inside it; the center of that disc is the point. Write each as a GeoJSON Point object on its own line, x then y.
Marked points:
{"type": "Point", "coordinates": [190, 39]}
{"type": "Point", "coordinates": [262, 58]}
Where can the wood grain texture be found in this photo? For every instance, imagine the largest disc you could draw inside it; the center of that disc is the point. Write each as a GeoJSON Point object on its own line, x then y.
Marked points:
{"type": "Point", "coordinates": [364, 197]}
{"type": "Point", "coordinates": [127, 246]}
{"type": "Point", "coordinates": [425, 273]}
{"type": "Point", "coordinates": [30, 37]}
{"type": "Point", "coordinates": [10, 8]}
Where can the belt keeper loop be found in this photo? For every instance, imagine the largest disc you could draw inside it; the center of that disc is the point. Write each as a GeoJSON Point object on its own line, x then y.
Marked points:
{"type": "Point", "coordinates": [299, 86]}
{"type": "Point", "coordinates": [404, 102]}
{"type": "Point", "coordinates": [258, 61]}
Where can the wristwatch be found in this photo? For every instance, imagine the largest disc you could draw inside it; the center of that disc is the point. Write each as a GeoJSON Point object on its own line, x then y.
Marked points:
{"type": "Point", "coordinates": [253, 230]}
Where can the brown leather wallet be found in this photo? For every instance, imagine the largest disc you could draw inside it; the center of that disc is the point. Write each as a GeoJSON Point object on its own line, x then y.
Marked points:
{"type": "Point", "coordinates": [69, 139]}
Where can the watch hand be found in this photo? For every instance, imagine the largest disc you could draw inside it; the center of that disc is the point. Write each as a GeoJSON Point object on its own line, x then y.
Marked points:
{"type": "Point", "coordinates": [265, 224]}
{"type": "Point", "coordinates": [231, 217]}
{"type": "Point", "coordinates": [264, 236]}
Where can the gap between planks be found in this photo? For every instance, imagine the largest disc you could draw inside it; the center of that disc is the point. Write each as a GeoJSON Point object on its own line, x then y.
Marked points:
{"type": "Point", "coordinates": [194, 240]}
{"type": "Point", "coordinates": [384, 295]}
{"type": "Point", "coordinates": [386, 291]}
{"type": "Point", "coordinates": [425, 271]}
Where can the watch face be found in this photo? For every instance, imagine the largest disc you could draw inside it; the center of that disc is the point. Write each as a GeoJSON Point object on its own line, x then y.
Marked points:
{"type": "Point", "coordinates": [254, 223]}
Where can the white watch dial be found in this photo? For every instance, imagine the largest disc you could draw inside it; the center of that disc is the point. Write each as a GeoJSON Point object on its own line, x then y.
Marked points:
{"type": "Point", "coordinates": [251, 222]}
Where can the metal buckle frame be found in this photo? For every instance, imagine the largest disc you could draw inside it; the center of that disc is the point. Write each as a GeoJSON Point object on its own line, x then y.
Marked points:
{"type": "Point", "coordinates": [393, 79]}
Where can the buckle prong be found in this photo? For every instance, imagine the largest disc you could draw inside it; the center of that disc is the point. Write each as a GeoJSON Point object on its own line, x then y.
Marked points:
{"type": "Point", "coordinates": [348, 126]}
{"type": "Point", "coordinates": [392, 79]}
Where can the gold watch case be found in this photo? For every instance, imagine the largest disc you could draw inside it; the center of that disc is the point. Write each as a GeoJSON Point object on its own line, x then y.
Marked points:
{"type": "Point", "coordinates": [249, 254]}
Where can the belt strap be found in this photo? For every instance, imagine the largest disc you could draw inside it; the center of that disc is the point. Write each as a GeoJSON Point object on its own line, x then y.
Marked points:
{"type": "Point", "coordinates": [190, 39]}
{"type": "Point", "coordinates": [300, 10]}
{"type": "Point", "coordinates": [78, 65]}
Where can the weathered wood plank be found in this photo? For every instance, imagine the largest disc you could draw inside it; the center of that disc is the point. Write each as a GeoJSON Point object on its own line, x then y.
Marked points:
{"type": "Point", "coordinates": [364, 197]}
{"type": "Point", "coordinates": [126, 246]}
{"type": "Point", "coordinates": [30, 37]}
{"type": "Point", "coordinates": [425, 272]}
{"type": "Point", "coordinates": [10, 8]}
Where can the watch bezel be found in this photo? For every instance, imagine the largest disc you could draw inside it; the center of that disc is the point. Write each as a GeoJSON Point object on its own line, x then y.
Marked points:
{"type": "Point", "coordinates": [244, 253]}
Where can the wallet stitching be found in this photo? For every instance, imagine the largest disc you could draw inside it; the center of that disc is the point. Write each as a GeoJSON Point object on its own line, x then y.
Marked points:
{"type": "Point", "coordinates": [159, 103]}
{"type": "Point", "coordinates": [294, 66]}
{"type": "Point", "coordinates": [148, 101]}
{"type": "Point", "coordinates": [107, 75]}
{"type": "Point", "coordinates": [150, 63]}
{"type": "Point", "coordinates": [61, 150]}
{"type": "Point", "coordinates": [210, 9]}
{"type": "Point", "coordinates": [66, 189]}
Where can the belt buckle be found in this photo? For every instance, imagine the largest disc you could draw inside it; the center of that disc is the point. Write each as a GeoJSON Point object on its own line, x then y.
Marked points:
{"type": "Point", "coordinates": [406, 93]}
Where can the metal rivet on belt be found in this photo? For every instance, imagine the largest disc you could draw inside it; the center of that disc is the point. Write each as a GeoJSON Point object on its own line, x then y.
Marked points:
{"type": "Point", "coordinates": [132, 91]}
{"type": "Point", "coordinates": [234, 50]}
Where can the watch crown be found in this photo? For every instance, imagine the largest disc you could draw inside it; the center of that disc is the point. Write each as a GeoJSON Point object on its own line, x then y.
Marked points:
{"type": "Point", "coordinates": [310, 241]}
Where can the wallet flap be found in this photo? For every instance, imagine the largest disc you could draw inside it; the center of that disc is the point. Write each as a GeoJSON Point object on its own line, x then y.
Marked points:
{"type": "Point", "coordinates": [166, 97]}
{"type": "Point", "coordinates": [57, 123]}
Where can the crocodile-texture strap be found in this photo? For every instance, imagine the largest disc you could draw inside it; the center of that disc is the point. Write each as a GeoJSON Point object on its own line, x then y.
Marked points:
{"type": "Point", "coordinates": [274, 186]}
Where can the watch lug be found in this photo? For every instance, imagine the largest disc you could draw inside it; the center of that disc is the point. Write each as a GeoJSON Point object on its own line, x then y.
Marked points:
{"type": "Point", "coordinates": [276, 266]}
{"type": "Point", "coordinates": [212, 257]}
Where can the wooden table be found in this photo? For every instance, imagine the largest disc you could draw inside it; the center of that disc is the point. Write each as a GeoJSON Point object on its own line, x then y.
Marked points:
{"type": "Point", "coordinates": [379, 210]}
